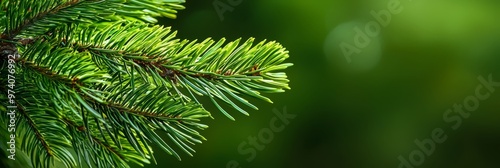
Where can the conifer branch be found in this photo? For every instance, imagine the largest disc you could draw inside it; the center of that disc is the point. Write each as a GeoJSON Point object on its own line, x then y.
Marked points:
{"type": "Point", "coordinates": [42, 14]}
{"type": "Point", "coordinates": [98, 77]}
{"type": "Point", "coordinates": [37, 133]}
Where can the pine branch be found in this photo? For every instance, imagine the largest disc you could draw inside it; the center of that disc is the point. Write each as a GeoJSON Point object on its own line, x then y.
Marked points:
{"type": "Point", "coordinates": [32, 18]}
{"type": "Point", "coordinates": [63, 64]}
{"type": "Point", "coordinates": [96, 77]}
{"type": "Point", "coordinates": [221, 70]}
{"type": "Point", "coordinates": [41, 11]}
{"type": "Point", "coordinates": [151, 107]}
{"type": "Point", "coordinates": [85, 139]}
{"type": "Point", "coordinates": [41, 130]}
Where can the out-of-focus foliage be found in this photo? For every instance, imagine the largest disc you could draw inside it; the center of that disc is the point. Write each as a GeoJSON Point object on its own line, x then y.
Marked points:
{"type": "Point", "coordinates": [427, 59]}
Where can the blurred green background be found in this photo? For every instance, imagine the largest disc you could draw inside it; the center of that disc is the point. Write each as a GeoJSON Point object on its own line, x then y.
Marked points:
{"type": "Point", "coordinates": [368, 112]}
